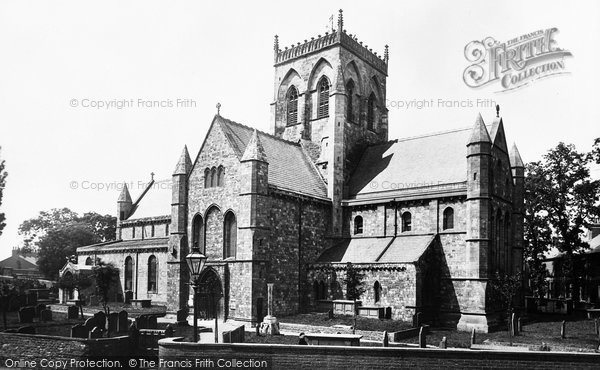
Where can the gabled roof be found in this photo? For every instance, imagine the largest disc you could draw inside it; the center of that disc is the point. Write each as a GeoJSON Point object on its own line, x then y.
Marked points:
{"type": "Point", "coordinates": [400, 249]}
{"type": "Point", "coordinates": [290, 168]}
{"type": "Point", "coordinates": [425, 161]}
{"type": "Point", "coordinates": [18, 262]}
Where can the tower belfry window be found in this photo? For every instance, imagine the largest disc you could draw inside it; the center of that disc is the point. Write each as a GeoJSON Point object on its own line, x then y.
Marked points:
{"type": "Point", "coordinates": [371, 112]}
{"type": "Point", "coordinates": [323, 98]}
{"type": "Point", "coordinates": [292, 106]}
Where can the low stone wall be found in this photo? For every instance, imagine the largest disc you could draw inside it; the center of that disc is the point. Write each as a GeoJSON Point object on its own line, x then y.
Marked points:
{"type": "Point", "coordinates": [330, 357]}
{"type": "Point", "coordinates": [34, 346]}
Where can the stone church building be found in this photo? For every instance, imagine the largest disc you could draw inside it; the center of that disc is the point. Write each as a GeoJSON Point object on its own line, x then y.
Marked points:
{"type": "Point", "coordinates": [427, 220]}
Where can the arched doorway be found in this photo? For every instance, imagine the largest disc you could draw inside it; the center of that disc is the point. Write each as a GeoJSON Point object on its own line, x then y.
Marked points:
{"type": "Point", "coordinates": [210, 294]}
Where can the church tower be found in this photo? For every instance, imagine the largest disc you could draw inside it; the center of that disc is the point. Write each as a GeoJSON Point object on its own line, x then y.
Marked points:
{"type": "Point", "coordinates": [329, 95]}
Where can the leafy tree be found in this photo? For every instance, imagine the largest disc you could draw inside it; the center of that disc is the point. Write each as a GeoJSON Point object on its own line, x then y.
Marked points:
{"type": "Point", "coordinates": [3, 175]}
{"type": "Point", "coordinates": [106, 275]}
{"type": "Point", "coordinates": [567, 201]}
{"type": "Point", "coordinates": [538, 233]}
{"type": "Point", "coordinates": [104, 226]}
{"type": "Point", "coordinates": [354, 282]}
{"type": "Point", "coordinates": [74, 281]}
{"type": "Point", "coordinates": [33, 229]}
{"type": "Point", "coordinates": [59, 243]}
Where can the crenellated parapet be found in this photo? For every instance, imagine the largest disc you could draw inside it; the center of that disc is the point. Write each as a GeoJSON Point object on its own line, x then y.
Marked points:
{"type": "Point", "coordinates": [330, 39]}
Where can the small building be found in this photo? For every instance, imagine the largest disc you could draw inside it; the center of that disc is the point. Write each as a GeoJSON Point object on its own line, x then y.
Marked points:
{"type": "Point", "coordinates": [20, 265]}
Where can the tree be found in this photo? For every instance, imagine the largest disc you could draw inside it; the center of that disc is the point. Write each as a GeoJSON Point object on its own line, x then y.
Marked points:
{"type": "Point", "coordinates": [3, 175]}
{"type": "Point", "coordinates": [538, 234]}
{"type": "Point", "coordinates": [106, 275]}
{"type": "Point", "coordinates": [33, 229]}
{"type": "Point", "coordinates": [507, 286]}
{"type": "Point", "coordinates": [354, 282]}
{"type": "Point", "coordinates": [60, 243]}
{"type": "Point", "coordinates": [566, 202]}
{"type": "Point", "coordinates": [77, 281]}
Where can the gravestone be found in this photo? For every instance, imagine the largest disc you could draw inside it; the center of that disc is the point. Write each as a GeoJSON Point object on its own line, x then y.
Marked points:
{"type": "Point", "coordinates": [141, 322]}
{"type": "Point", "coordinates": [79, 331]}
{"type": "Point", "coordinates": [514, 325]}
{"type": "Point", "coordinates": [152, 323]}
{"type": "Point", "coordinates": [90, 323]}
{"type": "Point", "coordinates": [100, 318]}
{"type": "Point", "coordinates": [388, 313]}
{"type": "Point", "coordinates": [123, 323]}
{"type": "Point", "coordinates": [26, 330]}
{"type": "Point", "coordinates": [169, 332]}
{"type": "Point", "coordinates": [386, 340]}
{"type": "Point", "coordinates": [46, 315]}
{"type": "Point", "coordinates": [39, 308]}
{"type": "Point", "coordinates": [422, 338]}
{"type": "Point", "coordinates": [26, 314]}
{"type": "Point", "coordinates": [444, 343]}
{"type": "Point", "coordinates": [519, 325]}
{"type": "Point", "coordinates": [182, 317]}
{"type": "Point", "coordinates": [597, 326]}
{"type": "Point", "coordinates": [96, 333]}
{"type": "Point", "coordinates": [563, 327]}
{"type": "Point", "coordinates": [72, 312]}
{"type": "Point", "coordinates": [113, 322]}
{"type": "Point", "coordinates": [473, 336]}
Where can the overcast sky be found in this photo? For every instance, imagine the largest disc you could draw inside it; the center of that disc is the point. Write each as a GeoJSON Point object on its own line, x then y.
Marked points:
{"type": "Point", "coordinates": [209, 52]}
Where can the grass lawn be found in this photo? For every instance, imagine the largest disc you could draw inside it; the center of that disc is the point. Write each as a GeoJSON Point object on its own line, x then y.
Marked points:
{"type": "Point", "coordinates": [579, 334]}
{"type": "Point", "coordinates": [362, 323]}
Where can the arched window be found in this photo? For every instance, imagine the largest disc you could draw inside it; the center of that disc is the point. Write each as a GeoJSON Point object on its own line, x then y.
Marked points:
{"type": "Point", "coordinates": [371, 112]}
{"type": "Point", "coordinates": [323, 88]}
{"type": "Point", "coordinates": [358, 225]}
{"type": "Point", "coordinates": [221, 176]}
{"type": "Point", "coordinates": [207, 178]}
{"type": "Point", "coordinates": [292, 106]}
{"type": "Point", "coordinates": [406, 221]}
{"type": "Point", "coordinates": [213, 177]}
{"type": "Point", "coordinates": [198, 233]}
{"type": "Point", "coordinates": [377, 291]}
{"type": "Point", "coordinates": [230, 236]}
{"type": "Point", "coordinates": [128, 273]}
{"type": "Point", "coordinates": [88, 261]}
{"type": "Point", "coordinates": [152, 274]}
{"type": "Point", "coordinates": [350, 101]}
{"type": "Point", "coordinates": [448, 222]}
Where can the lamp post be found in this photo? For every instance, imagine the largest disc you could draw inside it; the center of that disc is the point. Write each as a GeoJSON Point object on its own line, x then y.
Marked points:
{"type": "Point", "coordinates": [195, 262]}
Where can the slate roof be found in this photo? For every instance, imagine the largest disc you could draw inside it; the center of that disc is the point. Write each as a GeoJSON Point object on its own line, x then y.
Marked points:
{"type": "Point", "coordinates": [126, 244]}
{"type": "Point", "coordinates": [19, 262]}
{"type": "Point", "coordinates": [290, 167]}
{"type": "Point", "coordinates": [400, 249]}
{"type": "Point", "coordinates": [424, 161]}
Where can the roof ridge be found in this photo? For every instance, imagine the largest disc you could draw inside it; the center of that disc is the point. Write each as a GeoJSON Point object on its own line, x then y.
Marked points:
{"type": "Point", "coordinates": [439, 133]}
{"type": "Point", "coordinates": [259, 131]}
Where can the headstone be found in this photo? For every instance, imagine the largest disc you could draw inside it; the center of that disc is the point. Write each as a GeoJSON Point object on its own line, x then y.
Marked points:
{"type": "Point", "coordinates": [123, 323]}
{"type": "Point", "coordinates": [141, 322]}
{"type": "Point", "coordinates": [182, 317]}
{"type": "Point", "coordinates": [417, 320]}
{"type": "Point", "coordinates": [473, 336]}
{"type": "Point", "coordinates": [39, 308]}
{"type": "Point", "coordinates": [563, 327]}
{"type": "Point", "coordinates": [72, 312]}
{"type": "Point", "coordinates": [258, 330]}
{"type": "Point", "coordinates": [422, 338]}
{"type": "Point", "coordinates": [113, 322]}
{"type": "Point", "coordinates": [386, 340]}
{"type": "Point", "coordinates": [169, 332]}
{"type": "Point", "coordinates": [100, 318]}
{"type": "Point", "coordinates": [46, 315]}
{"type": "Point", "coordinates": [514, 326]}
{"type": "Point", "coordinates": [79, 331]}
{"type": "Point", "coordinates": [597, 326]}
{"type": "Point", "coordinates": [519, 325]}
{"type": "Point", "coordinates": [26, 314]}
{"type": "Point", "coordinates": [90, 323]}
{"type": "Point", "coordinates": [444, 343]}
{"type": "Point", "coordinates": [152, 324]}
{"type": "Point", "coordinates": [388, 313]}
{"type": "Point", "coordinates": [26, 330]}
{"type": "Point", "coordinates": [96, 333]}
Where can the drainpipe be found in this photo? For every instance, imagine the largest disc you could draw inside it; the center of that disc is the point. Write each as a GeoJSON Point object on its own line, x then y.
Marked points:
{"type": "Point", "coordinates": [136, 273]}
{"type": "Point", "coordinates": [299, 249]}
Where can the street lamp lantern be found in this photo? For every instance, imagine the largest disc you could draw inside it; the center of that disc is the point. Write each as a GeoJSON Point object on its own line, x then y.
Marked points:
{"type": "Point", "coordinates": [195, 261]}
